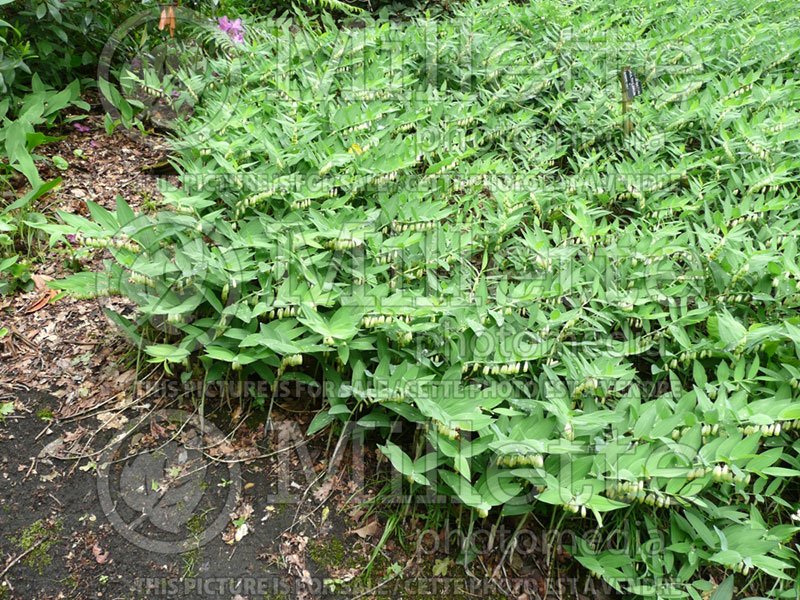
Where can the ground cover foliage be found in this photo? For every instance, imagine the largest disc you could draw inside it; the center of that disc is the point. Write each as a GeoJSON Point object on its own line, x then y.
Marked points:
{"type": "Point", "coordinates": [442, 220]}
{"type": "Point", "coordinates": [43, 47]}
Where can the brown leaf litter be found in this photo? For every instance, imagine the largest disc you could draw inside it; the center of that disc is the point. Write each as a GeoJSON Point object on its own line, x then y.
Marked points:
{"type": "Point", "coordinates": [69, 347]}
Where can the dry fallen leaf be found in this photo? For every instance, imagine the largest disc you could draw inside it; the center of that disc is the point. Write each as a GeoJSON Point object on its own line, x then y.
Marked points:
{"type": "Point", "coordinates": [235, 533]}
{"type": "Point", "coordinates": [228, 535]}
{"type": "Point", "coordinates": [323, 491]}
{"type": "Point", "coordinates": [241, 531]}
{"type": "Point", "coordinates": [111, 420]}
{"type": "Point", "coordinates": [357, 513]}
{"type": "Point", "coordinates": [223, 450]}
{"type": "Point", "coordinates": [41, 301]}
{"type": "Point", "coordinates": [40, 281]}
{"type": "Point", "coordinates": [245, 510]}
{"type": "Point", "coordinates": [157, 431]}
{"type": "Point", "coordinates": [74, 436]}
{"type": "Point", "coordinates": [100, 556]}
{"type": "Point", "coordinates": [52, 449]}
{"type": "Point", "coordinates": [368, 530]}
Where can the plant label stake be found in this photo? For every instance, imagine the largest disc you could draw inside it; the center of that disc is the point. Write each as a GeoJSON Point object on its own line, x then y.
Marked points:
{"type": "Point", "coordinates": [631, 87]}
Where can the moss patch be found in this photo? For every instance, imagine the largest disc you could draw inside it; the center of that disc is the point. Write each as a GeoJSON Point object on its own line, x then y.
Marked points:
{"type": "Point", "coordinates": [45, 414]}
{"type": "Point", "coordinates": [38, 538]}
{"type": "Point", "coordinates": [196, 525]}
{"type": "Point", "coordinates": [327, 554]}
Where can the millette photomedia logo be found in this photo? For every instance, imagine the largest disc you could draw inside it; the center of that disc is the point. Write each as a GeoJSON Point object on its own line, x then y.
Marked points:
{"type": "Point", "coordinates": [159, 488]}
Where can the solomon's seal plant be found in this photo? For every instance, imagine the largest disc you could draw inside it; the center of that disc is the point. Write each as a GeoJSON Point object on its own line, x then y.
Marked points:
{"type": "Point", "coordinates": [453, 227]}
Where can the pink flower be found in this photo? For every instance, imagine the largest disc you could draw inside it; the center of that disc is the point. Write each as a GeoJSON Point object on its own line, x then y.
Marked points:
{"type": "Point", "coordinates": [233, 28]}
{"type": "Point", "coordinates": [82, 128]}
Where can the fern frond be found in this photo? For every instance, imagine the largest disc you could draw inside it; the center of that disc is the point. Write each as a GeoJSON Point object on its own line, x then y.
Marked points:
{"type": "Point", "coordinates": [334, 5]}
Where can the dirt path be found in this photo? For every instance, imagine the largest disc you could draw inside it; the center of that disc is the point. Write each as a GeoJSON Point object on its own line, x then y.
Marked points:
{"type": "Point", "coordinates": [71, 545]}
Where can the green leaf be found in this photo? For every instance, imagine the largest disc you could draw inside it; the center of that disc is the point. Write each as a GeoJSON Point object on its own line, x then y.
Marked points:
{"type": "Point", "coordinates": [125, 214]}
{"type": "Point", "coordinates": [60, 163]}
{"type": "Point", "coordinates": [700, 527]}
{"type": "Point", "coordinates": [6, 263]}
{"type": "Point", "coordinates": [103, 217]}
{"type": "Point", "coordinates": [699, 374]}
{"type": "Point", "coordinates": [17, 152]}
{"type": "Point", "coordinates": [33, 195]}
{"type": "Point", "coordinates": [344, 323]}
{"type": "Point", "coordinates": [320, 421]}
{"type": "Point", "coordinates": [724, 590]}
{"type": "Point", "coordinates": [730, 330]}
{"type": "Point", "coordinates": [402, 462]}
{"type": "Point", "coordinates": [166, 352]}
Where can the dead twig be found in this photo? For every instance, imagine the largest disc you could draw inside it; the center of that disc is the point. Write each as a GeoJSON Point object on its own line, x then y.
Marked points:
{"type": "Point", "coordinates": [380, 585]}
{"type": "Point", "coordinates": [33, 465]}
{"type": "Point", "coordinates": [42, 432]}
{"type": "Point", "coordinates": [15, 332]}
{"type": "Point", "coordinates": [23, 555]}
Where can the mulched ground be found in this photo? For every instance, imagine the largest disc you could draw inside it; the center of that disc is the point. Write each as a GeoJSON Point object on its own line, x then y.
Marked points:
{"type": "Point", "coordinates": [69, 347]}
{"type": "Point", "coordinates": [72, 383]}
